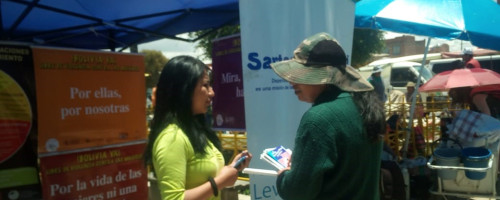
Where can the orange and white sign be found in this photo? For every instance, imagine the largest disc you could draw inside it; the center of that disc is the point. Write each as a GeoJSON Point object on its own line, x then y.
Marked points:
{"type": "Point", "coordinates": [88, 98]}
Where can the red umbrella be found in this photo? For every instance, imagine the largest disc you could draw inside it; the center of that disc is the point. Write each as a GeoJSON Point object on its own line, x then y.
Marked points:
{"type": "Point", "coordinates": [461, 78]}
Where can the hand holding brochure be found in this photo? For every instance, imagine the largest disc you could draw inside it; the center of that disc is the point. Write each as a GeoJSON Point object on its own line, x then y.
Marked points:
{"type": "Point", "coordinates": [279, 156]}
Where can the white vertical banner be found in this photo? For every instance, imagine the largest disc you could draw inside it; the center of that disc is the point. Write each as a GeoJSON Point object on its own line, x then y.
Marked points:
{"type": "Point", "coordinates": [270, 31]}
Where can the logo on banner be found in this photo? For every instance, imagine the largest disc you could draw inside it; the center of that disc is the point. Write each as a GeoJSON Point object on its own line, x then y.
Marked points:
{"type": "Point", "coordinates": [255, 63]}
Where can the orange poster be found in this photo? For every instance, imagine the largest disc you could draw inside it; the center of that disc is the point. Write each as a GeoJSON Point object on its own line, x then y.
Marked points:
{"type": "Point", "coordinates": [108, 173]}
{"type": "Point", "coordinates": [88, 98]}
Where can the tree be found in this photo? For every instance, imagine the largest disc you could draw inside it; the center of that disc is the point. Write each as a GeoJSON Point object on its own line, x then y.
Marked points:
{"type": "Point", "coordinates": [205, 43]}
{"type": "Point", "coordinates": [365, 42]}
{"type": "Point", "coordinates": [154, 62]}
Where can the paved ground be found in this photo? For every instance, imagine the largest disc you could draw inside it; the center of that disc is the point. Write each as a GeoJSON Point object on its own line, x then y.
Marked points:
{"type": "Point", "coordinates": [243, 197]}
{"type": "Point", "coordinates": [154, 194]}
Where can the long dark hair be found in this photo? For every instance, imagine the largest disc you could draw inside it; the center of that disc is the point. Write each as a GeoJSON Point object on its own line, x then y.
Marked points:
{"type": "Point", "coordinates": [174, 95]}
{"type": "Point", "coordinates": [372, 111]}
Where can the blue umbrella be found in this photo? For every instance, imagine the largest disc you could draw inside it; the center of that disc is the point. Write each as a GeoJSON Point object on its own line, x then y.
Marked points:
{"type": "Point", "coordinates": [477, 21]}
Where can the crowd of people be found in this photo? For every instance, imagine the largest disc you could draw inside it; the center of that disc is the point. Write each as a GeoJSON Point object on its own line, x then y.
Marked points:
{"type": "Point", "coordinates": [185, 154]}
{"type": "Point", "coordinates": [344, 127]}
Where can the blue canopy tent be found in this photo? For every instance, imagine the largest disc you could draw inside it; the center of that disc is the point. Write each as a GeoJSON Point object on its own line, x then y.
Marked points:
{"type": "Point", "coordinates": [477, 21]}
{"type": "Point", "coordinates": [98, 24]}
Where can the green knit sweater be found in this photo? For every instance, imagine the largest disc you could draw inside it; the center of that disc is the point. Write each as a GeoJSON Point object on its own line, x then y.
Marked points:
{"type": "Point", "coordinates": [332, 157]}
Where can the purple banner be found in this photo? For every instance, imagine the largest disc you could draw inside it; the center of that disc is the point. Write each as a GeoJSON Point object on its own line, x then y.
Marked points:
{"type": "Point", "coordinates": [228, 104]}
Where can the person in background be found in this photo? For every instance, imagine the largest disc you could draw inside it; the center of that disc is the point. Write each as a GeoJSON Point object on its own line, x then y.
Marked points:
{"type": "Point", "coordinates": [483, 99]}
{"type": "Point", "coordinates": [377, 83]}
{"type": "Point", "coordinates": [410, 89]}
{"type": "Point", "coordinates": [184, 152]}
{"type": "Point", "coordinates": [468, 59]}
{"type": "Point", "coordinates": [486, 99]}
{"type": "Point", "coordinates": [153, 97]}
{"type": "Point", "coordinates": [460, 98]}
{"type": "Point", "coordinates": [337, 151]}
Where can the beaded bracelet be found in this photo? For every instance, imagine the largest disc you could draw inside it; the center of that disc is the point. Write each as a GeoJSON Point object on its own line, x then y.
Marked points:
{"type": "Point", "coordinates": [214, 186]}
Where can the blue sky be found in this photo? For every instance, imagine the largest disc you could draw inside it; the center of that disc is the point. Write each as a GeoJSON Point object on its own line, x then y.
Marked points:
{"type": "Point", "coordinates": [171, 48]}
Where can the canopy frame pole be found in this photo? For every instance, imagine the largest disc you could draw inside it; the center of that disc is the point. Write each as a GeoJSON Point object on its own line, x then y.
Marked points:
{"type": "Point", "coordinates": [413, 101]}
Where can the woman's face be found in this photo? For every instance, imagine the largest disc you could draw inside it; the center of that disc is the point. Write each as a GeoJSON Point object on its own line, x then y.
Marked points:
{"type": "Point", "coordinates": [202, 96]}
{"type": "Point", "coordinates": [307, 93]}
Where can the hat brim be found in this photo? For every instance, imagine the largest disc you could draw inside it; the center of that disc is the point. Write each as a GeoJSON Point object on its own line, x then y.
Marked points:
{"type": "Point", "coordinates": [296, 72]}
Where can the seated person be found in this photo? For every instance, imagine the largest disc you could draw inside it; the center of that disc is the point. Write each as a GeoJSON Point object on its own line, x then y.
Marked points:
{"type": "Point", "coordinates": [460, 97]}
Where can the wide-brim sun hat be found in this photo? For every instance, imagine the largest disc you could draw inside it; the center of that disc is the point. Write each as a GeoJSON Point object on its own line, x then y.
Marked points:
{"type": "Point", "coordinates": [410, 84]}
{"type": "Point", "coordinates": [377, 69]}
{"type": "Point", "coordinates": [319, 59]}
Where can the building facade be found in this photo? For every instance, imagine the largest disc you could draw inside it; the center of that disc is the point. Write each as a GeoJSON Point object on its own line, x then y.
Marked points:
{"type": "Point", "coordinates": [406, 45]}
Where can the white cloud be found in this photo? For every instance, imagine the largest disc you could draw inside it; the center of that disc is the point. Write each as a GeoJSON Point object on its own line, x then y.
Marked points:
{"type": "Point", "coordinates": [171, 48]}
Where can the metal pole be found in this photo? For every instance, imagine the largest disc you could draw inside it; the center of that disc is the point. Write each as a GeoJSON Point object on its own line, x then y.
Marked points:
{"type": "Point", "coordinates": [413, 101]}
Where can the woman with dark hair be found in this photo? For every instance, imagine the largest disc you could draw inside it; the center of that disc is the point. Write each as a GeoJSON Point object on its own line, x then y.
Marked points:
{"type": "Point", "coordinates": [184, 152]}
{"type": "Point", "coordinates": [337, 152]}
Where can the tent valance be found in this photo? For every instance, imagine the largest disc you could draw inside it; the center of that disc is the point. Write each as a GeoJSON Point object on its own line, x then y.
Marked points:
{"type": "Point", "coordinates": [97, 24]}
